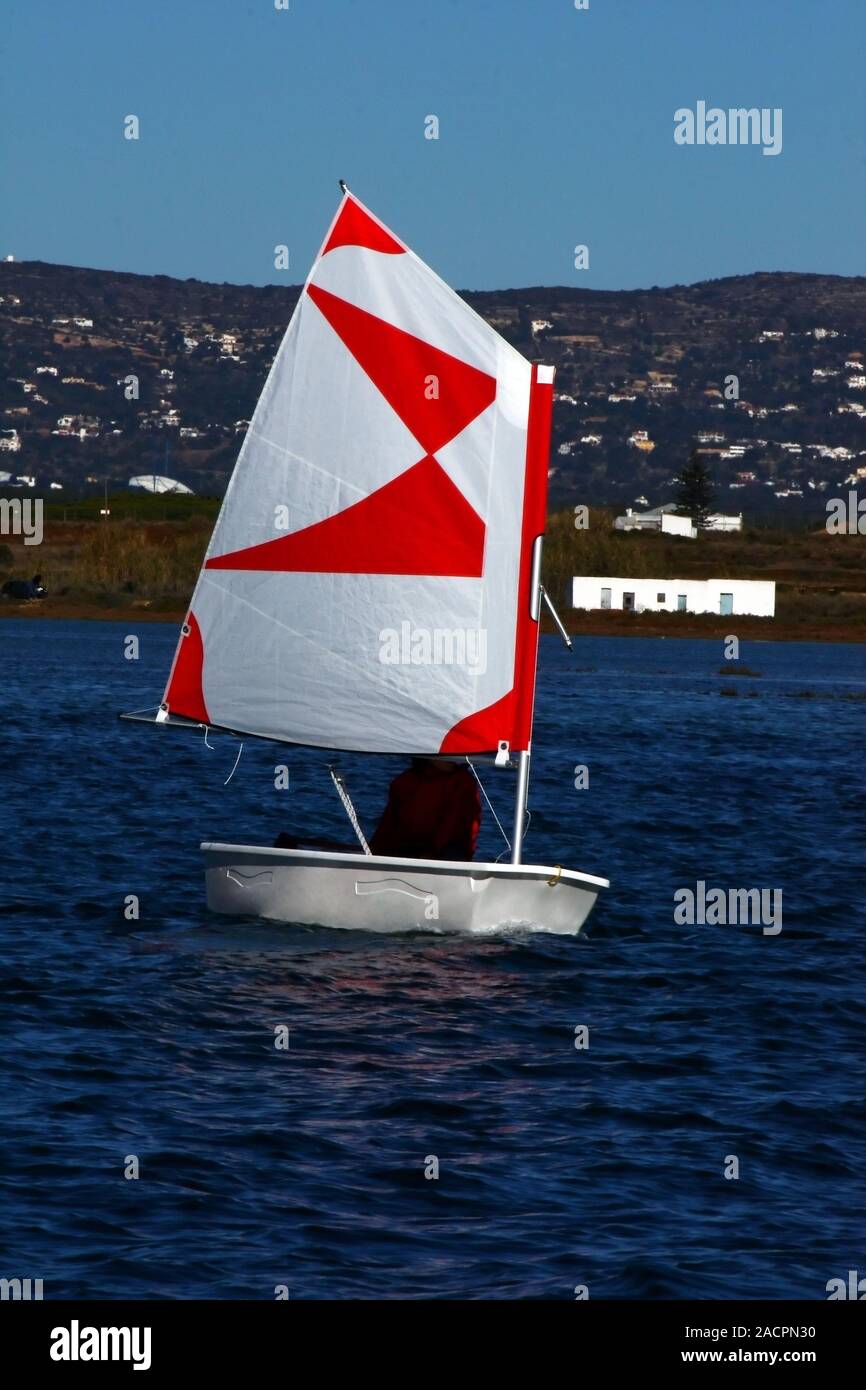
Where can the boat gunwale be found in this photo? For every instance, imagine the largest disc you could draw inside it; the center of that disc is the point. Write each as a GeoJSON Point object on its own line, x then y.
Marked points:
{"type": "Point", "coordinates": [467, 867]}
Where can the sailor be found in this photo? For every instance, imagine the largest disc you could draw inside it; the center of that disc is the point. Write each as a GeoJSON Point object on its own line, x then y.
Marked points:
{"type": "Point", "coordinates": [433, 812]}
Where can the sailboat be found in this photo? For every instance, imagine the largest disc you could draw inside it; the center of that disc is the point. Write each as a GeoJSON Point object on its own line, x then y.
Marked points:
{"type": "Point", "coordinates": [373, 585]}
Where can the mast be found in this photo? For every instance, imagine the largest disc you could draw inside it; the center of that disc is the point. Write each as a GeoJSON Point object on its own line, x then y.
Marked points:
{"type": "Point", "coordinates": [522, 791]}
{"type": "Point", "coordinates": [520, 797]}
{"type": "Point", "coordinates": [529, 612]}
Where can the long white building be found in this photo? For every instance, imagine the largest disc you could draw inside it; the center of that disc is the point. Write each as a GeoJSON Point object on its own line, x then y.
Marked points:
{"type": "Point", "coordinates": [723, 596]}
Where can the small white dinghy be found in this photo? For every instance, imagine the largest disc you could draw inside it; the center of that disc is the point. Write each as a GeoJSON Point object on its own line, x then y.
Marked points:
{"type": "Point", "coordinates": [373, 584]}
{"type": "Point", "coordinates": [375, 893]}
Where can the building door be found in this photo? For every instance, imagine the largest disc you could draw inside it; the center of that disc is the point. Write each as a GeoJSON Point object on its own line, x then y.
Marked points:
{"type": "Point", "coordinates": [628, 602]}
{"type": "Point", "coordinates": [681, 603]}
{"type": "Point", "coordinates": [726, 604]}
{"type": "Point", "coordinates": [605, 598]}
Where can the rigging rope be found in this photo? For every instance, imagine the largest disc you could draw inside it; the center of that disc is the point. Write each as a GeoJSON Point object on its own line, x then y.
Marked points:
{"type": "Point", "coordinates": [489, 803]}
{"type": "Point", "coordinates": [235, 768]}
{"type": "Point", "coordinates": [337, 779]}
{"type": "Point", "coordinates": [213, 750]}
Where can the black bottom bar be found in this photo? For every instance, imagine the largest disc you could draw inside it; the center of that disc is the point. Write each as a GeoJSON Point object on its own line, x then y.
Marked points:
{"type": "Point", "coordinates": [282, 1337]}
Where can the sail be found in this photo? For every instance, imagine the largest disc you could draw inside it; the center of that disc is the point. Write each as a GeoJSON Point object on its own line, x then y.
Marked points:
{"type": "Point", "coordinates": [371, 580]}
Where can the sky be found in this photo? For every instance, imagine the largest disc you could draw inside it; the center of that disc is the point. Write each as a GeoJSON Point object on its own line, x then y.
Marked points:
{"type": "Point", "coordinates": [555, 130]}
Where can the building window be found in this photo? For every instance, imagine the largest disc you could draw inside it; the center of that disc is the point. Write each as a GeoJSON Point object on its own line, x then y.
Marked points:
{"type": "Point", "coordinates": [726, 604]}
{"type": "Point", "coordinates": [660, 598]}
{"type": "Point", "coordinates": [681, 603]}
{"type": "Point", "coordinates": [628, 602]}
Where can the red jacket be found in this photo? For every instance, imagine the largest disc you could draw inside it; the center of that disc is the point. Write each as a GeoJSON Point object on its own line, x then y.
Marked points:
{"type": "Point", "coordinates": [430, 815]}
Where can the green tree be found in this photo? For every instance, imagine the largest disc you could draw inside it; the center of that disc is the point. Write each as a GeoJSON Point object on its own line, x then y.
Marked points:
{"type": "Point", "coordinates": [694, 490]}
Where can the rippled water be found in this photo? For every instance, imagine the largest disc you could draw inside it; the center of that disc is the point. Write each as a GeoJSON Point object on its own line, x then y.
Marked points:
{"type": "Point", "coordinates": [558, 1166]}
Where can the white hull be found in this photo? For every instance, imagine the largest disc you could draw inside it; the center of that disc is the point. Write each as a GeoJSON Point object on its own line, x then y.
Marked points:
{"type": "Point", "coordinates": [377, 893]}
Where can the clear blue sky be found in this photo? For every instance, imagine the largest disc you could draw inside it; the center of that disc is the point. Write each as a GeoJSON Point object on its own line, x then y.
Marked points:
{"type": "Point", "coordinates": [556, 128]}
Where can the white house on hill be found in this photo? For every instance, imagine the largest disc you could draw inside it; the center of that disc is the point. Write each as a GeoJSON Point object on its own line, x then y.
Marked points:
{"type": "Point", "coordinates": [717, 521]}
{"type": "Point", "coordinates": [665, 519]}
{"type": "Point", "coordinates": [657, 519]}
{"type": "Point", "coordinates": [722, 596]}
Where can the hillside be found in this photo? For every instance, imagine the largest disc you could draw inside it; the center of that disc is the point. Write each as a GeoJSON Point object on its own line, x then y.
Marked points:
{"type": "Point", "coordinates": [652, 361]}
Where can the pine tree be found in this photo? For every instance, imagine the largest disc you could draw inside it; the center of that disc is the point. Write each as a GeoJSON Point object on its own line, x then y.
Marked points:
{"type": "Point", "coordinates": [694, 490]}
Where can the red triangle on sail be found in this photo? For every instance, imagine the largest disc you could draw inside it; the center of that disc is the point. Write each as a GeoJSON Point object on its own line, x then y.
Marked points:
{"type": "Point", "coordinates": [184, 694]}
{"type": "Point", "coordinates": [481, 731]}
{"type": "Point", "coordinates": [435, 395]}
{"type": "Point", "coordinates": [355, 227]}
{"type": "Point", "coordinates": [419, 523]}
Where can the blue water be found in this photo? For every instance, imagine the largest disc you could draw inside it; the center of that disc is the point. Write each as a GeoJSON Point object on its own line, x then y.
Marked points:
{"type": "Point", "coordinates": [558, 1166]}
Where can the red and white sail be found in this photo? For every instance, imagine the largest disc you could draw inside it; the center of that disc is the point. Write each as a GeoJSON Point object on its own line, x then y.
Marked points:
{"type": "Point", "coordinates": [369, 583]}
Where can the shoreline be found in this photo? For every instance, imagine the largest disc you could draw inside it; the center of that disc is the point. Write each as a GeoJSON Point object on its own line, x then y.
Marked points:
{"type": "Point", "coordinates": [677, 626]}
{"type": "Point", "coordinates": [577, 624]}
